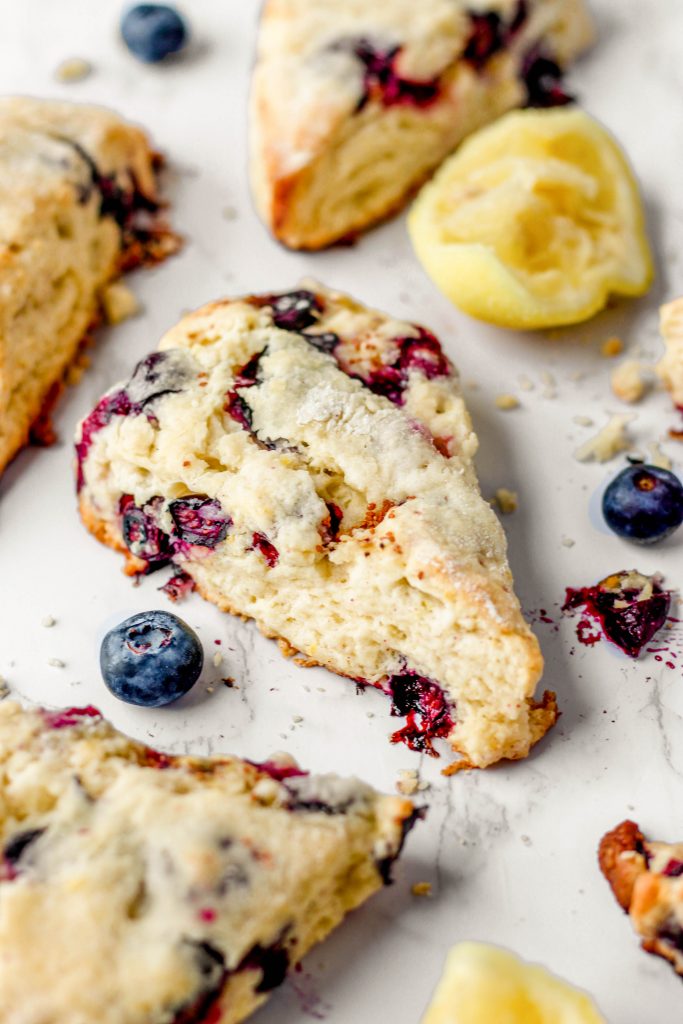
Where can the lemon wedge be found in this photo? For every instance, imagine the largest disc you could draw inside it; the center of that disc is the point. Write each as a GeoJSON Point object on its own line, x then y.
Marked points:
{"type": "Point", "coordinates": [485, 985]}
{"type": "Point", "coordinates": [534, 222]}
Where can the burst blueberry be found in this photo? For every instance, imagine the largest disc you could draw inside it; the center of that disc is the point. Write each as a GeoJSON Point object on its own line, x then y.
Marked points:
{"type": "Point", "coordinates": [153, 31]}
{"type": "Point", "coordinates": [151, 659]}
{"type": "Point", "coordinates": [644, 504]}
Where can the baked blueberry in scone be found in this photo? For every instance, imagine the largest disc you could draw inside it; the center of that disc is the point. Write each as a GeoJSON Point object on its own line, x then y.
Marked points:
{"type": "Point", "coordinates": [645, 877]}
{"type": "Point", "coordinates": [307, 461]}
{"type": "Point", "coordinates": [78, 205]}
{"type": "Point", "coordinates": [670, 367]}
{"type": "Point", "coordinates": [354, 104]}
{"type": "Point", "coordinates": [140, 888]}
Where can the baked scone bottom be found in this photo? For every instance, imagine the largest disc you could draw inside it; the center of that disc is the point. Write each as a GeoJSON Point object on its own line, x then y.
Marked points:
{"type": "Point", "coordinates": [308, 462]}
{"type": "Point", "coordinates": [140, 888]}
{"type": "Point", "coordinates": [670, 367]}
{"type": "Point", "coordinates": [78, 205]}
{"type": "Point", "coordinates": [354, 105]}
{"type": "Point", "coordinates": [646, 879]}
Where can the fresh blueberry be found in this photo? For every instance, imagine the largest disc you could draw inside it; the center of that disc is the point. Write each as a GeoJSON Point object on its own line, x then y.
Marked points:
{"type": "Point", "coordinates": [153, 31]}
{"type": "Point", "coordinates": [644, 504]}
{"type": "Point", "coordinates": [151, 659]}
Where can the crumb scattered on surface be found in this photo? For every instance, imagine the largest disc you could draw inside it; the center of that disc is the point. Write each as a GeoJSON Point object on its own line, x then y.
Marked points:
{"type": "Point", "coordinates": [421, 889]}
{"type": "Point", "coordinates": [608, 442]}
{"type": "Point", "coordinates": [407, 782]}
{"type": "Point", "coordinates": [48, 621]}
{"type": "Point", "coordinates": [568, 542]}
{"type": "Point", "coordinates": [228, 681]}
{"type": "Point", "coordinates": [583, 421]}
{"type": "Point", "coordinates": [119, 302]}
{"type": "Point", "coordinates": [525, 383]}
{"type": "Point", "coordinates": [507, 501]}
{"type": "Point", "coordinates": [370, 714]}
{"type": "Point", "coordinates": [229, 213]}
{"type": "Point", "coordinates": [612, 347]}
{"type": "Point", "coordinates": [507, 402]}
{"type": "Point", "coordinates": [472, 385]}
{"type": "Point", "coordinates": [628, 381]}
{"type": "Point", "coordinates": [526, 840]}
{"type": "Point", "coordinates": [217, 659]}
{"type": "Point", "coordinates": [658, 457]}
{"type": "Point", "coordinates": [297, 718]}
{"type": "Point", "coordinates": [73, 69]}
{"type": "Point", "coordinates": [56, 663]}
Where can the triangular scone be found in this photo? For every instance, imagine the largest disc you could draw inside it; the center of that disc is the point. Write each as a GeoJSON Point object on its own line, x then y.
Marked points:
{"type": "Point", "coordinates": [355, 103]}
{"type": "Point", "coordinates": [308, 461]}
{"type": "Point", "coordinates": [670, 367]}
{"type": "Point", "coordinates": [78, 200]}
{"type": "Point", "coordinates": [645, 877]}
{"type": "Point", "coordinates": [137, 887]}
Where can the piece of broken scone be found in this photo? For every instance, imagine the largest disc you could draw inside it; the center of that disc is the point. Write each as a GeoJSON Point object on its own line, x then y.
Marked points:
{"type": "Point", "coordinates": [645, 877]}
{"type": "Point", "coordinates": [670, 367]}
{"type": "Point", "coordinates": [307, 462]}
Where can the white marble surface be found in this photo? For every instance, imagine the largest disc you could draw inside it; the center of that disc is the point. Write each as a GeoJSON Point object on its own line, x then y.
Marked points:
{"type": "Point", "coordinates": [510, 852]}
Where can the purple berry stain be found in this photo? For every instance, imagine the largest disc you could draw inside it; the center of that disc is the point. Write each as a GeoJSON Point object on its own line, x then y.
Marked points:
{"type": "Point", "coordinates": [422, 354]}
{"type": "Point", "coordinates": [383, 83]}
{"type": "Point", "coordinates": [423, 703]}
{"type": "Point", "coordinates": [141, 535]}
{"type": "Point", "coordinates": [259, 542]}
{"type": "Point", "coordinates": [199, 520]}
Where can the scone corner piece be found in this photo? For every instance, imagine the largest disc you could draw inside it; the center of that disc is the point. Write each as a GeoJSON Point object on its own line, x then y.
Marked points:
{"type": "Point", "coordinates": [199, 882]}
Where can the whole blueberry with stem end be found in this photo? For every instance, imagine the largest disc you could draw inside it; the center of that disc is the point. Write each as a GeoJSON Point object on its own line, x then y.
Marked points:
{"type": "Point", "coordinates": [153, 31]}
{"type": "Point", "coordinates": [643, 504]}
{"type": "Point", "coordinates": [151, 659]}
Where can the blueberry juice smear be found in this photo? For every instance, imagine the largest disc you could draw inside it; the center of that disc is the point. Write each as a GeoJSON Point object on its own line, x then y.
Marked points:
{"type": "Point", "coordinates": [383, 82]}
{"type": "Point", "coordinates": [628, 607]}
{"type": "Point", "coordinates": [423, 703]}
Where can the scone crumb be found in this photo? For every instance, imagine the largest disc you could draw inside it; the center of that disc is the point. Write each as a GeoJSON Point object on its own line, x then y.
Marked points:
{"type": "Point", "coordinates": [408, 781]}
{"type": "Point", "coordinates": [119, 302]}
{"type": "Point", "coordinates": [421, 889]}
{"type": "Point", "coordinates": [56, 663]}
{"type": "Point", "coordinates": [612, 347]}
{"type": "Point", "coordinates": [628, 381]}
{"type": "Point", "coordinates": [658, 457]}
{"type": "Point", "coordinates": [568, 542]}
{"type": "Point", "coordinates": [507, 402]}
{"type": "Point", "coordinates": [507, 501]}
{"type": "Point", "coordinates": [49, 621]}
{"type": "Point", "coordinates": [217, 659]}
{"type": "Point", "coordinates": [73, 69]}
{"type": "Point", "coordinates": [549, 385]}
{"type": "Point", "coordinates": [607, 443]}
{"type": "Point", "coordinates": [583, 421]}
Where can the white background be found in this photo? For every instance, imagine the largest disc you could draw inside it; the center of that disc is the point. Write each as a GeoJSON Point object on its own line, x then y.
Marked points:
{"type": "Point", "coordinates": [510, 852]}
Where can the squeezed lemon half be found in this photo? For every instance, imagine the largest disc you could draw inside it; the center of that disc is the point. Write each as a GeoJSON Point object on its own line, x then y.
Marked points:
{"type": "Point", "coordinates": [534, 222]}
{"type": "Point", "coordinates": [485, 985]}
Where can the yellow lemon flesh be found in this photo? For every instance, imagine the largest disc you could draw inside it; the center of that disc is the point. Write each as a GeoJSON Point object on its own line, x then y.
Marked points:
{"type": "Point", "coordinates": [485, 985]}
{"type": "Point", "coordinates": [534, 222]}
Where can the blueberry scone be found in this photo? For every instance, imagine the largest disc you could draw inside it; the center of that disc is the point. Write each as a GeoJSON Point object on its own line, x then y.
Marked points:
{"type": "Point", "coordinates": [670, 367]}
{"type": "Point", "coordinates": [307, 462]}
{"type": "Point", "coordinates": [78, 204]}
{"type": "Point", "coordinates": [354, 104]}
{"type": "Point", "coordinates": [139, 888]}
{"type": "Point", "coordinates": [646, 880]}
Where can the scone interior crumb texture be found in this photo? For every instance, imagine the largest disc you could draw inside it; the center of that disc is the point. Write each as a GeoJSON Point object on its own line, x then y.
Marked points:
{"type": "Point", "coordinates": [354, 104]}
{"type": "Point", "coordinates": [139, 887]}
{"type": "Point", "coordinates": [78, 204]}
{"type": "Point", "coordinates": [308, 461]}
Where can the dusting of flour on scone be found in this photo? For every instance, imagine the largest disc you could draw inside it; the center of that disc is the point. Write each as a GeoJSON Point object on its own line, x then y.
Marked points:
{"type": "Point", "coordinates": [307, 461]}
{"type": "Point", "coordinates": [78, 205]}
{"type": "Point", "coordinates": [355, 104]}
{"type": "Point", "coordinates": [136, 887]}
